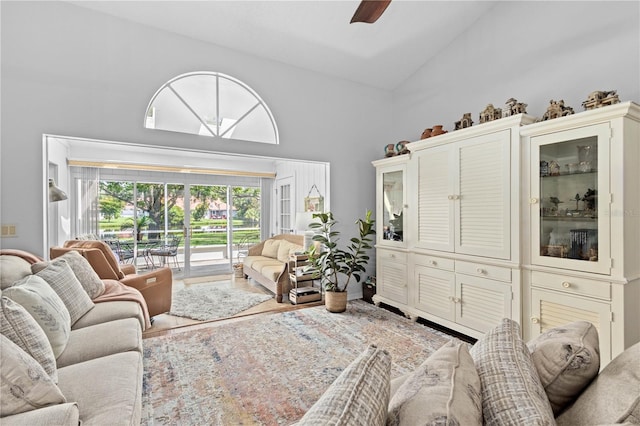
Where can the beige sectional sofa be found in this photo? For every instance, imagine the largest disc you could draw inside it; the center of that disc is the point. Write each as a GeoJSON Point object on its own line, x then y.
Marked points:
{"type": "Point", "coordinates": [267, 262]}
{"type": "Point", "coordinates": [66, 360]}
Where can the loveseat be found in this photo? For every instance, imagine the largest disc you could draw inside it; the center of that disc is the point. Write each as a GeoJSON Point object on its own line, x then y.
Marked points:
{"type": "Point", "coordinates": [500, 380]}
{"type": "Point", "coordinates": [70, 344]}
{"type": "Point", "coordinates": [267, 262]}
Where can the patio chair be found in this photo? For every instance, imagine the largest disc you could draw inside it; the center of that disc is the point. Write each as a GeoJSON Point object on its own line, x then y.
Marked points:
{"type": "Point", "coordinates": [167, 251]}
{"type": "Point", "coordinates": [124, 252]}
{"type": "Point", "coordinates": [155, 285]}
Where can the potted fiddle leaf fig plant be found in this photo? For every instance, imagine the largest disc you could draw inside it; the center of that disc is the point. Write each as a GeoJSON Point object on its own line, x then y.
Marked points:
{"type": "Point", "coordinates": [337, 266]}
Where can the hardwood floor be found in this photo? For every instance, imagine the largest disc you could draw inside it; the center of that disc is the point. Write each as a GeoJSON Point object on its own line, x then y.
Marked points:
{"type": "Point", "coordinates": [167, 324]}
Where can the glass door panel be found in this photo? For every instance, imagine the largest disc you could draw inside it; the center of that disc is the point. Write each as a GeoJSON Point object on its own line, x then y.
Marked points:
{"type": "Point", "coordinates": [393, 204]}
{"type": "Point", "coordinates": [569, 214]}
{"type": "Point", "coordinates": [246, 220]}
{"type": "Point", "coordinates": [208, 233]}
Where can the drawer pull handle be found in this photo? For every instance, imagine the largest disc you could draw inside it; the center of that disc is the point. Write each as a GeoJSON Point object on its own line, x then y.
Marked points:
{"type": "Point", "coordinates": [535, 320]}
{"type": "Point", "coordinates": [566, 284]}
{"type": "Point", "coordinates": [433, 263]}
{"type": "Point", "coordinates": [481, 271]}
{"type": "Point", "coordinates": [453, 299]}
{"type": "Point", "coordinates": [533, 200]}
{"type": "Point", "coordinates": [450, 197]}
{"type": "Point", "coordinates": [393, 256]}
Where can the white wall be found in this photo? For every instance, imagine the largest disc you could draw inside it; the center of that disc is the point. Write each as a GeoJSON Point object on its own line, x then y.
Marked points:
{"type": "Point", "coordinates": [533, 51]}
{"type": "Point", "coordinates": [74, 72]}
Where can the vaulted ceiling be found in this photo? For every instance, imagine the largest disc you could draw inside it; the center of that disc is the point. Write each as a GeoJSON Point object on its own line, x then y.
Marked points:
{"type": "Point", "coordinates": [314, 35]}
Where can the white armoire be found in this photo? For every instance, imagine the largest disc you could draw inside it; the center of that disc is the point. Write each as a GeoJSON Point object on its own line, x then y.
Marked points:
{"type": "Point", "coordinates": [538, 222]}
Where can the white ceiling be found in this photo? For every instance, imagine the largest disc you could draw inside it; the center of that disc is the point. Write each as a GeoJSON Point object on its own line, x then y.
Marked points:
{"type": "Point", "coordinates": [314, 35]}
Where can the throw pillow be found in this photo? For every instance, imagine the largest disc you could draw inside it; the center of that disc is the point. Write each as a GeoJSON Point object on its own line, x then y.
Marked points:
{"type": "Point", "coordinates": [61, 278]}
{"type": "Point", "coordinates": [20, 327]}
{"type": "Point", "coordinates": [358, 397]}
{"type": "Point", "coordinates": [445, 390]}
{"type": "Point", "coordinates": [612, 397]}
{"type": "Point", "coordinates": [283, 250]}
{"type": "Point", "coordinates": [270, 248]}
{"type": "Point", "coordinates": [45, 306]}
{"type": "Point", "coordinates": [511, 389]}
{"type": "Point", "coordinates": [12, 269]}
{"type": "Point", "coordinates": [25, 385]}
{"type": "Point", "coordinates": [83, 271]}
{"type": "Point", "coordinates": [566, 358]}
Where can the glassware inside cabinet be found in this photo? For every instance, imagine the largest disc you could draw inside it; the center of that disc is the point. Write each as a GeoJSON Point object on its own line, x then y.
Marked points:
{"type": "Point", "coordinates": [569, 199]}
{"type": "Point", "coordinates": [393, 203]}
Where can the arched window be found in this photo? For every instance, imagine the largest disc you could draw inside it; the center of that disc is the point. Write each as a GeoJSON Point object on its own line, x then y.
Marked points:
{"type": "Point", "coordinates": [211, 104]}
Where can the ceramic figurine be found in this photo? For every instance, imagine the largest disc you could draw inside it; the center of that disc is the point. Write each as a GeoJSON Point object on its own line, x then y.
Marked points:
{"type": "Point", "coordinates": [390, 150]}
{"type": "Point", "coordinates": [426, 134]}
{"type": "Point", "coordinates": [490, 113]}
{"type": "Point", "coordinates": [599, 99]}
{"type": "Point", "coordinates": [554, 168]}
{"type": "Point", "coordinates": [514, 108]}
{"type": "Point", "coordinates": [464, 122]}
{"type": "Point", "coordinates": [557, 109]}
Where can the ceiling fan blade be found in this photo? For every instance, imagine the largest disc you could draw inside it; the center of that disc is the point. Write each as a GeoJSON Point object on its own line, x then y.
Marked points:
{"type": "Point", "coordinates": [369, 11]}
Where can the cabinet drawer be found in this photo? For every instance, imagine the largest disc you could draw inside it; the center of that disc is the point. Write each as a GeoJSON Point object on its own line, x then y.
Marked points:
{"type": "Point", "coordinates": [571, 285]}
{"type": "Point", "coordinates": [434, 262]}
{"type": "Point", "coordinates": [486, 271]}
{"type": "Point", "coordinates": [391, 256]}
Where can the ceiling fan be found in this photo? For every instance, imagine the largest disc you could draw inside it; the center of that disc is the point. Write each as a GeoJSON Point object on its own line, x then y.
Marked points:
{"type": "Point", "coordinates": [369, 11]}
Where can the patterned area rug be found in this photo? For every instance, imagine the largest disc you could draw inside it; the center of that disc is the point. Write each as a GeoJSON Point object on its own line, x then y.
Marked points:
{"type": "Point", "coordinates": [206, 302]}
{"type": "Point", "coordinates": [269, 369]}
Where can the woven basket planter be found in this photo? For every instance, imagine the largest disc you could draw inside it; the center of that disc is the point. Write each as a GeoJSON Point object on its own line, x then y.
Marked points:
{"type": "Point", "coordinates": [335, 301]}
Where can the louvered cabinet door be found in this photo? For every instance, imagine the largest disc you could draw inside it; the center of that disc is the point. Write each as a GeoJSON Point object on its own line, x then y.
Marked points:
{"type": "Point", "coordinates": [436, 189]}
{"type": "Point", "coordinates": [481, 303]}
{"type": "Point", "coordinates": [551, 309]}
{"type": "Point", "coordinates": [483, 202]}
{"type": "Point", "coordinates": [392, 275]}
{"type": "Point", "coordinates": [435, 292]}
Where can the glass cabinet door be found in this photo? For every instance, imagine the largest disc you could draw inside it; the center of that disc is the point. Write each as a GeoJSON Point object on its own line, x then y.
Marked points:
{"type": "Point", "coordinates": [570, 218]}
{"type": "Point", "coordinates": [391, 201]}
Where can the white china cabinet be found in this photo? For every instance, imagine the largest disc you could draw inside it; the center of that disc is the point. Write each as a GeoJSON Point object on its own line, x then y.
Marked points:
{"type": "Point", "coordinates": [582, 224]}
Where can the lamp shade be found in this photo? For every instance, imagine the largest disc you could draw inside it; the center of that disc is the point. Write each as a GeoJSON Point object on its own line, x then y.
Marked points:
{"type": "Point", "coordinates": [55, 193]}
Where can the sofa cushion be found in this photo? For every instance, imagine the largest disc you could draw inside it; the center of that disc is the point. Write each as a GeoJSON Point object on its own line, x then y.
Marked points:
{"type": "Point", "coordinates": [61, 278]}
{"type": "Point", "coordinates": [52, 415]}
{"type": "Point", "coordinates": [566, 358]}
{"type": "Point", "coordinates": [270, 248]}
{"type": "Point", "coordinates": [359, 396]}
{"type": "Point", "coordinates": [12, 269]}
{"type": "Point", "coordinates": [511, 389]}
{"type": "Point", "coordinates": [108, 390]}
{"type": "Point", "coordinates": [286, 249]}
{"type": "Point", "coordinates": [45, 306]}
{"type": "Point", "coordinates": [85, 274]}
{"type": "Point", "coordinates": [272, 272]}
{"type": "Point", "coordinates": [612, 397]}
{"type": "Point", "coordinates": [25, 385]}
{"type": "Point", "coordinates": [101, 340]}
{"type": "Point", "coordinates": [110, 311]}
{"type": "Point", "coordinates": [445, 389]}
{"type": "Point", "coordinates": [19, 326]}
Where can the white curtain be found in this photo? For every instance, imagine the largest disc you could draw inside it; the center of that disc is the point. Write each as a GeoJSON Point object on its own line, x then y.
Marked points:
{"type": "Point", "coordinates": [86, 210]}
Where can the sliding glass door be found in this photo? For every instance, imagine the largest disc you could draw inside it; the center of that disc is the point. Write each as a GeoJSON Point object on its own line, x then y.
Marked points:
{"type": "Point", "coordinates": [196, 229]}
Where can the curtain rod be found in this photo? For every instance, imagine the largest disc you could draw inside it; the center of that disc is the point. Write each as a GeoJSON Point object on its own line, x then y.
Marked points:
{"type": "Point", "coordinates": [188, 170]}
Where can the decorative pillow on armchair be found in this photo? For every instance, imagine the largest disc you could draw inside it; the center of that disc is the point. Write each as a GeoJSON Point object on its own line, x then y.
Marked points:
{"type": "Point", "coordinates": [83, 271]}
{"type": "Point", "coordinates": [61, 278]}
{"type": "Point", "coordinates": [511, 390]}
{"type": "Point", "coordinates": [566, 358]}
{"type": "Point", "coordinates": [445, 390]}
{"type": "Point", "coordinates": [25, 385]}
{"type": "Point", "coordinates": [358, 397]}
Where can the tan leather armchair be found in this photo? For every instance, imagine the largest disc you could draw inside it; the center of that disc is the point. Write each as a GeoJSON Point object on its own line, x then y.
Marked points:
{"type": "Point", "coordinates": [155, 285]}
